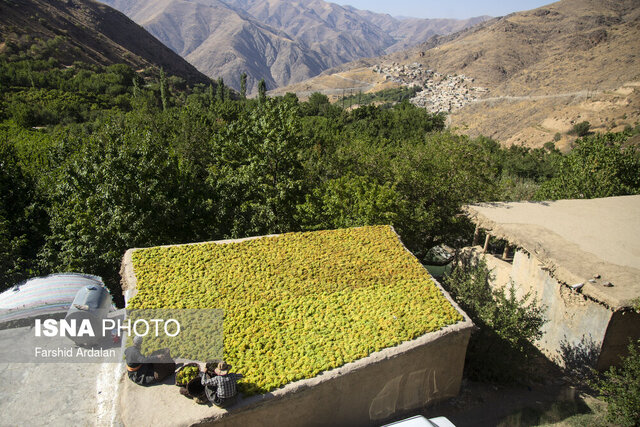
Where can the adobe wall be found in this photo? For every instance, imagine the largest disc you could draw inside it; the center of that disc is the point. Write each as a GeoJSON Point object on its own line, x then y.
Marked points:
{"type": "Point", "coordinates": [368, 391]}
{"type": "Point", "coordinates": [371, 393]}
{"type": "Point", "coordinates": [623, 327]}
{"type": "Point", "coordinates": [576, 325]}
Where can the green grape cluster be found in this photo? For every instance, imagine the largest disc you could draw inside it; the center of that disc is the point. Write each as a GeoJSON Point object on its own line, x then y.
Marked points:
{"type": "Point", "coordinates": [186, 374]}
{"type": "Point", "coordinates": [297, 304]}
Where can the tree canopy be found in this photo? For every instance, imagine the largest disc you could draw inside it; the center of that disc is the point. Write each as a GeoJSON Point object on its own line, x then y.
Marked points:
{"type": "Point", "coordinates": [95, 160]}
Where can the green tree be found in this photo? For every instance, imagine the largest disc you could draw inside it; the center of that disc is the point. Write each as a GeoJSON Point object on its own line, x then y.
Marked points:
{"type": "Point", "coordinates": [598, 166]}
{"type": "Point", "coordinates": [351, 201]}
{"type": "Point", "coordinates": [581, 129]}
{"type": "Point", "coordinates": [136, 86]}
{"type": "Point", "coordinates": [120, 189]}
{"type": "Point", "coordinates": [317, 105]}
{"type": "Point", "coordinates": [620, 388]}
{"type": "Point", "coordinates": [243, 85]}
{"type": "Point", "coordinates": [501, 349]}
{"type": "Point", "coordinates": [262, 90]}
{"type": "Point", "coordinates": [211, 95]}
{"type": "Point", "coordinates": [257, 172]}
{"type": "Point", "coordinates": [220, 90]}
{"type": "Point", "coordinates": [436, 176]}
{"type": "Point", "coordinates": [164, 90]}
{"type": "Point", "coordinates": [22, 222]}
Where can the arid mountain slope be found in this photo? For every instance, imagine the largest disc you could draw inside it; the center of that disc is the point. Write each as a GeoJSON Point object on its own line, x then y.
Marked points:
{"type": "Point", "coordinates": [223, 42]}
{"type": "Point", "coordinates": [338, 34]}
{"type": "Point", "coordinates": [344, 33]}
{"type": "Point", "coordinates": [411, 31]}
{"type": "Point", "coordinates": [282, 41]}
{"type": "Point", "coordinates": [561, 63]}
{"type": "Point", "coordinates": [91, 32]}
{"type": "Point", "coordinates": [568, 45]}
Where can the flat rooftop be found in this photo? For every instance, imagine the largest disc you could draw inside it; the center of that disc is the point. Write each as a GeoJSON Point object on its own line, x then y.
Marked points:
{"type": "Point", "coordinates": [576, 240]}
{"type": "Point", "coordinates": [306, 316]}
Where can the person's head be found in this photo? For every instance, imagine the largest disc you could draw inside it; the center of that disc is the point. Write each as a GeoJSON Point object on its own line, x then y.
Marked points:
{"type": "Point", "coordinates": [211, 367]}
{"type": "Point", "coordinates": [222, 368]}
{"type": "Point", "coordinates": [137, 341]}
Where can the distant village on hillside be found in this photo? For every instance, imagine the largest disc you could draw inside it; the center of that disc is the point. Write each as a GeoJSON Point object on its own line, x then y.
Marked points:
{"type": "Point", "coordinates": [440, 92]}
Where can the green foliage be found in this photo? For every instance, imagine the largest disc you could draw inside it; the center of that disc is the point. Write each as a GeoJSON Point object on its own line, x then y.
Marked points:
{"type": "Point", "coordinates": [351, 201]}
{"type": "Point", "coordinates": [387, 96]}
{"type": "Point", "coordinates": [580, 129]}
{"type": "Point", "coordinates": [220, 90]}
{"type": "Point", "coordinates": [318, 105]}
{"type": "Point", "coordinates": [22, 222]}
{"type": "Point", "coordinates": [502, 347]}
{"type": "Point", "coordinates": [620, 388]}
{"type": "Point", "coordinates": [598, 166]}
{"type": "Point", "coordinates": [243, 85]}
{"type": "Point", "coordinates": [403, 121]}
{"type": "Point", "coordinates": [120, 189]}
{"type": "Point", "coordinates": [262, 90]}
{"type": "Point", "coordinates": [256, 170]}
{"type": "Point", "coordinates": [164, 95]}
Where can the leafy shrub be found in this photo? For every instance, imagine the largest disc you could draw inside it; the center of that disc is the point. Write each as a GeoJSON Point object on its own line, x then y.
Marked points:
{"type": "Point", "coordinates": [598, 166]}
{"type": "Point", "coordinates": [620, 388]}
{"type": "Point", "coordinates": [500, 350]}
{"type": "Point", "coordinates": [581, 129]}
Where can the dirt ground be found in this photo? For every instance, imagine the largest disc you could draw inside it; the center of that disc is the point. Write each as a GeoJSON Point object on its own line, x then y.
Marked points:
{"type": "Point", "coordinates": [550, 399]}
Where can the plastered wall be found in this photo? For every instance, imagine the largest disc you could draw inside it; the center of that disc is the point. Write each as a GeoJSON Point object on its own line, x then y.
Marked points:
{"type": "Point", "coordinates": [369, 394]}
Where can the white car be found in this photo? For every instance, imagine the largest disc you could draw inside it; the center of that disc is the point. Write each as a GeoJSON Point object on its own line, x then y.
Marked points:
{"type": "Point", "coordinates": [420, 421]}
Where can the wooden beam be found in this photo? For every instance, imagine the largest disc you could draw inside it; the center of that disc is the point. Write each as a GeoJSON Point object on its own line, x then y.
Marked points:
{"type": "Point", "coordinates": [486, 243]}
{"type": "Point", "coordinates": [505, 253]}
{"type": "Point", "coordinates": [476, 236]}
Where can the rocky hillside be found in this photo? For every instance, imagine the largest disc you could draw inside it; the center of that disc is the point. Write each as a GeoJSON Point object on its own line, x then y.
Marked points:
{"type": "Point", "coordinates": [567, 45]}
{"type": "Point", "coordinates": [539, 71]}
{"type": "Point", "coordinates": [282, 41]}
{"type": "Point", "coordinates": [90, 32]}
{"type": "Point", "coordinates": [223, 42]}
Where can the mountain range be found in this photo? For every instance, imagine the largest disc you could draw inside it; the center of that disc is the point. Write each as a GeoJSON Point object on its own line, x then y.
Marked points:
{"type": "Point", "coordinates": [91, 32]}
{"type": "Point", "coordinates": [544, 70]}
{"type": "Point", "coordinates": [280, 41]}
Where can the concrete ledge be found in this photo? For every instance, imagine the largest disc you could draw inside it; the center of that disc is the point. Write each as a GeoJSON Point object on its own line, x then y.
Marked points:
{"type": "Point", "coordinates": [368, 391]}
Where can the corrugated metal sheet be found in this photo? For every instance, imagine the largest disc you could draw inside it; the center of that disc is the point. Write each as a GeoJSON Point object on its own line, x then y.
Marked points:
{"type": "Point", "coordinates": [43, 295]}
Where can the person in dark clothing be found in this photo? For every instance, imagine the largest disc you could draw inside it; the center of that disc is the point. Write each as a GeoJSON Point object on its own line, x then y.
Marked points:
{"type": "Point", "coordinates": [221, 388]}
{"type": "Point", "coordinates": [145, 370]}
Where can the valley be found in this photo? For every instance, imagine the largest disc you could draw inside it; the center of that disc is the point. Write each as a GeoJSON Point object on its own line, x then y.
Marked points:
{"type": "Point", "coordinates": [522, 79]}
{"type": "Point", "coordinates": [280, 41]}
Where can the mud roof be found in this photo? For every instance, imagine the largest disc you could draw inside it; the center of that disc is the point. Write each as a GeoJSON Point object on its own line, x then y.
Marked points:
{"type": "Point", "coordinates": [576, 240]}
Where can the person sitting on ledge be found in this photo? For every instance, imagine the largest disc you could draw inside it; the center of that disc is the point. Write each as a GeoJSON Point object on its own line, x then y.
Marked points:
{"type": "Point", "coordinates": [221, 388]}
{"type": "Point", "coordinates": [145, 370]}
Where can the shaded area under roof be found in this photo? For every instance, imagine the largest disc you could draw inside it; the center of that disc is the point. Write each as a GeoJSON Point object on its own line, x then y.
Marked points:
{"type": "Point", "coordinates": [575, 240]}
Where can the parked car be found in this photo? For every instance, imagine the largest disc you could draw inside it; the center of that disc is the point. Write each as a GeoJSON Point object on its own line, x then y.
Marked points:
{"type": "Point", "coordinates": [420, 421]}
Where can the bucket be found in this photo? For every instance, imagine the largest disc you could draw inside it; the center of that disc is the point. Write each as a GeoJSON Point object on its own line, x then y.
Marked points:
{"type": "Point", "coordinates": [195, 387]}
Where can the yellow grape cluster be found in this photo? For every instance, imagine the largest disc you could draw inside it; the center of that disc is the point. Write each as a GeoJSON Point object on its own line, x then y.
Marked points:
{"type": "Point", "coordinates": [298, 304]}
